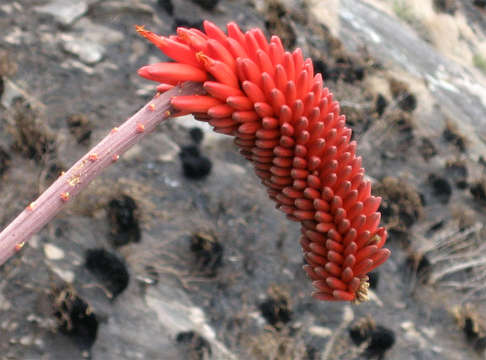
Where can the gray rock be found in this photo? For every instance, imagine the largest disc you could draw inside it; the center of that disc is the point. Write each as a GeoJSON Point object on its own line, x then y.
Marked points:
{"type": "Point", "coordinates": [89, 41]}
{"type": "Point", "coordinates": [66, 12]}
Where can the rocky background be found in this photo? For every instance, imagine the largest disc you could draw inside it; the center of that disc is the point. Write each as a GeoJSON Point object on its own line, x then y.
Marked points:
{"type": "Point", "coordinates": [175, 252]}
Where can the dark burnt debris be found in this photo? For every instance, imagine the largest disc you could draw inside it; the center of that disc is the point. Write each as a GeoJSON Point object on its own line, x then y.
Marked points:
{"type": "Point", "coordinates": [441, 188]}
{"type": "Point", "coordinates": [53, 171]}
{"type": "Point", "coordinates": [277, 21]}
{"type": "Point", "coordinates": [401, 93]}
{"type": "Point", "coordinates": [75, 318]}
{"type": "Point", "coordinates": [401, 206]}
{"type": "Point", "coordinates": [445, 6]}
{"type": "Point", "coordinates": [435, 227]}
{"type": "Point", "coordinates": [343, 67]}
{"type": "Point", "coordinates": [193, 345]}
{"type": "Point", "coordinates": [382, 339]}
{"type": "Point", "coordinates": [166, 5]}
{"type": "Point", "coordinates": [206, 4]}
{"type": "Point", "coordinates": [334, 62]}
{"type": "Point", "coordinates": [208, 253]}
{"type": "Point", "coordinates": [473, 324]}
{"type": "Point", "coordinates": [452, 135]}
{"type": "Point", "coordinates": [109, 269]}
{"type": "Point", "coordinates": [418, 264]}
{"type": "Point", "coordinates": [478, 190]}
{"type": "Point", "coordinates": [194, 165]}
{"type": "Point", "coordinates": [457, 171]}
{"type": "Point", "coordinates": [360, 331]}
{"type": "Point", "coordinates": [31, 138]}
{"type": "Point", "coordinates": [373, 278]}
{"type": "Point", "coordinates": [276, 308]}
{"type": "Point", "coordinates": [122, 217]}
{"type": "Point", "coordinates": [427, 149]}
{"type": "Point", "coordinates": [197, 135]}
{"type": "Point", "coordinates": [80, 127]}
{"type": "Point", "coordinates": [380, 104]}
{"type": "Point", "coordinates": [379, 339]}
{"type": "Point", "coordinates": [480, 3]}
{"type": "Point", "coordinates": [403, 124]}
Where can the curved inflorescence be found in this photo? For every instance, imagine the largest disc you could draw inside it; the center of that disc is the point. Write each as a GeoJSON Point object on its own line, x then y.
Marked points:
{"type": "Point", "coordinates": [286, 123]}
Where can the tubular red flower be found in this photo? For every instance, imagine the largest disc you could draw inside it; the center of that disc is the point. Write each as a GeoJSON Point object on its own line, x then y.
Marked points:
{"type": "Point", "coordinates": [289, 126]}
{"type": "Point", "coordinates": [172, 73]}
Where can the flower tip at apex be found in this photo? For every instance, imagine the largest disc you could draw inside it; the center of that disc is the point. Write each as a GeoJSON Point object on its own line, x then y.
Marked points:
{"type": "Point", "coordinates": [203, 58]}
{"type": "Point", "coordinates": [144, 72]}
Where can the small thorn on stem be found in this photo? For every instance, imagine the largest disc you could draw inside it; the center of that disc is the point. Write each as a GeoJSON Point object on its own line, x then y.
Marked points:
{"type": "Point", "coordinates": [19, 246]}
{"type": "Point", "coordinates": [151, 107]}
{"type": "Point", "coordinates": [115, 157]}
{"type": "Point", "coordinates": [114, 130]}
{"type": "Point", "coordinates": [31, 206]}
{"type": "Point", "coordinates": [93, 157]}
{"type": "Point", "coordinates": [64, 196]}
{"type": "Point", "coordinates": [140, 128]}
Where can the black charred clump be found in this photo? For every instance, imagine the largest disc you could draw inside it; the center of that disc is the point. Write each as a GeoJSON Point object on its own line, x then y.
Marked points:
{"type": "Point", "coordinates": [208, 253]}
{"type": "Point", "coordinates": [379, 339]}
{"type": "Point", "coordinates": [445, 6]}
{"type": "Point", "coordinates": [197, 135]}
{"type": "Point", "coordinates": [458, 172]}
{"type": "Point", "coordinates": [480, 3]}
{"type": "Point", "coordinates": [440, 188]}
{"type": "Point", "coordinates": [373, 278]}
{"type": "Point", "coordinates": [401, 93]}
{"type": "Point", "coordinates": [124, 225]}
{"type": "Point", "coordinates": [380, 104]}
{"type": "Point", "coordinates": [401, 206]}
{"type": "Point", "coordinates": [278, 22]}
{"type": "Point", "coordinates": [206, 4]}
{"type": "Point", "coordinates": [31, 137]}
{"type": "Point", "coordinates": [478, 191]}
{"type": "Point", "coordinates": [166, 5]}
{"type": "Point", "coordinates": [276, 309]}
{"type": "Point", "coordinates": [473, 325]}
{"type": "Point", "coordinates": [75, 318]}
{"type": "Point", "coordinates": [382, 339]}
{"type": "Point", "coordinates": [109, 269]}
{"type": "Point", "coordinates": [195, 166]}
{"type": "Point", "coordinates": [193, 345]}
{"type": "Point", "coordinates": [452, 135]}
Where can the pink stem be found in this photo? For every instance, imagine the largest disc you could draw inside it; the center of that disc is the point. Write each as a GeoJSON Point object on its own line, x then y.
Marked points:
{"type": "Point", "coordinates": [69, 184]}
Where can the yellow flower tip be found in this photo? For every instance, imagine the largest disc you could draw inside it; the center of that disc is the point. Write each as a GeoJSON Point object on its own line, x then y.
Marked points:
{"type": "Point", "coordinates": [150, 36]}
{"type": "Point", "coordinates": [140, 29]}
{"type": "Point", "coordinates": [203, 58]}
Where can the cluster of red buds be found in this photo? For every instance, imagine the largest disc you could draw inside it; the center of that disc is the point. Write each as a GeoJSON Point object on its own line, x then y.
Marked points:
{"type": "Point", "coordinates": [287, 124]}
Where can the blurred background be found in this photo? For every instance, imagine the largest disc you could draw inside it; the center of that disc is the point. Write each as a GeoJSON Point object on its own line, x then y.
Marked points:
{"type": "Point", "coordinates": [176, 252]}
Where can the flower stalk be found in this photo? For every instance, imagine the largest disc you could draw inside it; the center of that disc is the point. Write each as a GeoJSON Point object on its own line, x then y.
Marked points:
{"type": "Point", "coordinates": [39, 212]}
